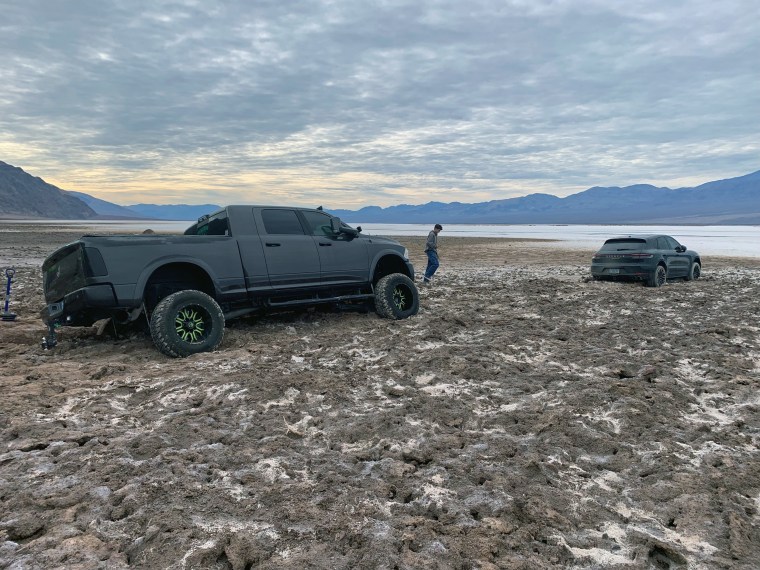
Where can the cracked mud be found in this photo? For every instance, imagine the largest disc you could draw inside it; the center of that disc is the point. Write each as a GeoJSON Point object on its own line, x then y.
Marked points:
{"type": "Point", "coordinates": [525, 418]}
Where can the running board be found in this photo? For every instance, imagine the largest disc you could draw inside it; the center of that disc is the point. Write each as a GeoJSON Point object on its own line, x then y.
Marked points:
{"type": "Point", "coordinates": [320, 300]}
{"type": "Point", "coordinates": [269, 304]}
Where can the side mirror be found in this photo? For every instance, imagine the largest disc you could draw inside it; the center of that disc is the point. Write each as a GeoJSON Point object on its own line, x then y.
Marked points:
{"type": "Point", "coordinates": [681, 248]}
{"type": "Point", "coordinates": [338, 228]}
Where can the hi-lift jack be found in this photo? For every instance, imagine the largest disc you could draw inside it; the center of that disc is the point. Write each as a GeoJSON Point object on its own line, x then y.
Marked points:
{"type": "Point", "coordinates": [7, 315]}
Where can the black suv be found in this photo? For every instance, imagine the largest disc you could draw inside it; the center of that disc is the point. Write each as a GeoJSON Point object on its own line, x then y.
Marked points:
{"type": "Point", "coordinates": [651, 258]}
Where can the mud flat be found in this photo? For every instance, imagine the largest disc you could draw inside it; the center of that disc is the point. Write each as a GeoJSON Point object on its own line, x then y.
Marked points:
{"type": "Point", "coordinates": [526, 418]}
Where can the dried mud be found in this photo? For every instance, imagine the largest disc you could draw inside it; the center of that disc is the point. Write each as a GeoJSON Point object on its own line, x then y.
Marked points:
{"type": "Point", "coordinates": [525, 418]}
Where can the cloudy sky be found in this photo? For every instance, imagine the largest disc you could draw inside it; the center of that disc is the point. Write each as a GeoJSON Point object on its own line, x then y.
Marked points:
{"type": "Point", "coordinates": [351, 103]}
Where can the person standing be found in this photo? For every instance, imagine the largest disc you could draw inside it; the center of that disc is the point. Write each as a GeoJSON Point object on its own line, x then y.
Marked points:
{"type": "Point", "coordinates": [431, 249]}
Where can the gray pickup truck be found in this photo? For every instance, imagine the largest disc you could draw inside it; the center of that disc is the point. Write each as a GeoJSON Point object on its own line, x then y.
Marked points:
{"type": "Point", "coordinates": [236, 261]}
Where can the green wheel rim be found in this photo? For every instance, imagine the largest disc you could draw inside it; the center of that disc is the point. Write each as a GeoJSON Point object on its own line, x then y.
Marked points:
{"type": "Point", "coordinates": [401, 298]}
{"type": "Point", "coordinates": [190, 324]}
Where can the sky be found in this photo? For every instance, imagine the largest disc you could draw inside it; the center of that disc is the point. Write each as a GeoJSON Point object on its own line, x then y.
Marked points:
{"type": "Point", "coordinates": [376, 102]}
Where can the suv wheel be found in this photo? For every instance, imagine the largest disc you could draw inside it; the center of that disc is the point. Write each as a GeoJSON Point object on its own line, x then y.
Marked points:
{"type": "Point", "coordinates": [185, 323]}
{"type": "Point", "coordinates": [694, 272]}
{"type": "Point", "coordinates": [396, 297]}
{"type": "Point", "coordinates": [658, 277]}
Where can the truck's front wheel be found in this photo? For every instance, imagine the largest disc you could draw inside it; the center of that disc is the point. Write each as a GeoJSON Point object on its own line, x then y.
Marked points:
{"type": "Point", "coordinates": [185, 323]}
{"type": "Point", "coordinates": [396, 297]}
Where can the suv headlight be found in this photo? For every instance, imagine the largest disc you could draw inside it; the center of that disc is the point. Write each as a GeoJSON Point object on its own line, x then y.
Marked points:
{"type": "Point", "coordinates": [406, 254]}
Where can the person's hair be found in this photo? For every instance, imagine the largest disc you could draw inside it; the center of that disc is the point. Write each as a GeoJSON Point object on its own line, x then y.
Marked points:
{"type": "Point", "coordinates": [438, 227]}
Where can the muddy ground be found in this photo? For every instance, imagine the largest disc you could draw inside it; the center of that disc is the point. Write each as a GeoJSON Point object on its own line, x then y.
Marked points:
{"type": "Point", "coordinates": [525, 418]}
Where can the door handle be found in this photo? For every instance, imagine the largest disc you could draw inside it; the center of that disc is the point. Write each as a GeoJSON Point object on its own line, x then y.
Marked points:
{"type": "Point", "coordinates": [323, 244]}
{"type": "Point", "coordinates": [273, 245]}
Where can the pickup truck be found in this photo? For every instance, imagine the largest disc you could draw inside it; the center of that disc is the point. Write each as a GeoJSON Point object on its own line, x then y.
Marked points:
{"type": "Point", "coordinates": [233, 262]}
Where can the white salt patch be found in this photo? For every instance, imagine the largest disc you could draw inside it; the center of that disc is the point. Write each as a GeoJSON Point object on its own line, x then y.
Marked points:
{"type": "Point", "coordinates": [424, 379]}
{"type": "Point", "coordinates": [290, 397]}
{"type": "Point", "coordinates": [696, 456]}
{"type": "Point", "coordinates": [707, 411]}
{"type": "Point", "coordinates": [605, 479]}
{"type": "Point", "coordinates": [427, 345]}
{"type": "Point", "coordinates": [220, 526]}
{"type": "Point", "coordinates": [691, 543]}
{"type": "Point", "coordinates": [271, 470]}
{"type": "Point", "coordinates": [354, 447]}
{"type": "Point", "coordinates": [444, 390]}
{"type": "Point", "coordinates": [367, 355]}
{"type": "Point", "coordinates": [606, 417]}
{"type": "Point", "coordinates": [597, 555]}
{"type": "Point", "coordinates": [208, 545]}
{"type": "Point", "coordinates": [436, 494]}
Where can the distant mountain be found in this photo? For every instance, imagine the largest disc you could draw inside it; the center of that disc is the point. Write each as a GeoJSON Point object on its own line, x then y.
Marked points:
{"type": "Point", "coordinates": [730, 201]}
{"type": "Point", "coordinates": [173, 211]}
{"type": "Point", "coordinates": [25, 196]}
{"type": "Point", "coordinates": [105, 209]}
{"type": "Point", "coordinates": [182, 212]}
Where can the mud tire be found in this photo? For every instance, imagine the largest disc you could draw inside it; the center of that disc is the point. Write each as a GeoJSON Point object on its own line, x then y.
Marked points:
{"type": "Point", "coordinates": [658, 277]}
{"type": "Point", "coordinates": [694, 272]}
{"type": "Point", "coordinates": [185, 323]}
{"type": "Point", "coordinates": [396, 297]}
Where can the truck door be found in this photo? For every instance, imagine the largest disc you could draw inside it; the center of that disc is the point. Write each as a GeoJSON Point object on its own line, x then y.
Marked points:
{"type": "Point", "coordinates": [251, 251]}
{"type": "Point", "coordinates": [343, 258]}
{"type": "Point", "coordinates": [291, 255]}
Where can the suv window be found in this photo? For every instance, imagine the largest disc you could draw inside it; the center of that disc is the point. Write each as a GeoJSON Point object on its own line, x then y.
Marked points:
{"type": "Point", "coordinates": [662, 243]}
{"type": "Point", "coordinates": [281, 222]}
{"type": "Point", "coordinates": [623, 244]}
{"type": "Point", "coordinates": [318, 223]}
{"type": "Point", "coordinates": [672, 244]}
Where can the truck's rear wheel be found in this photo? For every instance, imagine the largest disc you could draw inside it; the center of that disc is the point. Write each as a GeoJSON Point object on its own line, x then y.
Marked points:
{"type": "Point", "coordinates": [187, 322]}
{"type": "Point", "coordinates": [396, 297]}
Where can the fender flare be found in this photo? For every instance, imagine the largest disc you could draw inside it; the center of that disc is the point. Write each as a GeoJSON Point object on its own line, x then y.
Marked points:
{"type": "Point", "coordinates": [148, 270]}
{"type": "Point", "coordinates": [380, 255]}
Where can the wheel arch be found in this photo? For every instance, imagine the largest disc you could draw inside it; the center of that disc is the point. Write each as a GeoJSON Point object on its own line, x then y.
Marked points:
{"type": "Point", "coordinates": [387, 263]}
{"type": "Point", "coordinates": [164, 278]}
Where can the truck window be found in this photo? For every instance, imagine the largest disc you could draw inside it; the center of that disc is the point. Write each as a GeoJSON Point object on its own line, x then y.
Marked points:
{"type": "Point", "coordinates": [281, 222]}
{"type": "Point", "coordinates": [319, 223]}
{"type": "Point", "coordinates": [214, 226]}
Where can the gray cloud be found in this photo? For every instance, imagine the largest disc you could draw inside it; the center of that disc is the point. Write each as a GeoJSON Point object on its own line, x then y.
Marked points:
{"type": "Point", "coordinates": [352, 103]}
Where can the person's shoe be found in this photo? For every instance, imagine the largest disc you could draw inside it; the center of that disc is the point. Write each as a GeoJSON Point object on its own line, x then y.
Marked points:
{"type": "Point", "coordinates": [426, 281]}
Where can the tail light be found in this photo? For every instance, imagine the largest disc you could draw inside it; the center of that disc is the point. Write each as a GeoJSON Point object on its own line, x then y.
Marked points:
{"type": "Point", "coordinates": [94, 264]}
{"type": "Point", "coordinates": [634, 256]}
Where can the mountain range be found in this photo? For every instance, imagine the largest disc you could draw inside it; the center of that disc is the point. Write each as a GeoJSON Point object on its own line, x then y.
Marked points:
{"type": "Point", "coordinates": [730, 201]}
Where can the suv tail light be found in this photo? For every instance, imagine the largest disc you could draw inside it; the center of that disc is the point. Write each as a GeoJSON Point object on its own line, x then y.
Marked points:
{"type": "Point", "coordinates": [634, 256]}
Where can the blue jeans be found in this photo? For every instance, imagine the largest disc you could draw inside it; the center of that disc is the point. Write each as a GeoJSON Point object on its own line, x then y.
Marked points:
{"type": "Point", "coordinates": [432, 264]}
